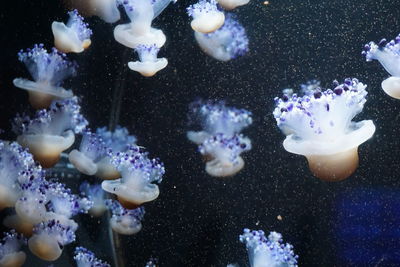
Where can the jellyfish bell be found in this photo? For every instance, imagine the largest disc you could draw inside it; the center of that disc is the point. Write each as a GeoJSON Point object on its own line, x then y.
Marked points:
{"type": "Point", "coordinates": [124, 226]}
{"type": "Point", "coordinates": [149, 64]}
{"type": "Point", "coordinates": [15, 259]}
{"type": "Point", "coordinates": [391, 86]}
{"type": "Point", "coordinates": [218, 168]}
{"type": "Point", "coordinates": [206, 16]}
{"type": "Point", "coordinates": [44, 247]}
{"type": "Point", "coordinates": [232, 4]}
{"type": "Point", "coordinates": [106, 171]}
{"type": "Point", "coordinates": [125, 221]}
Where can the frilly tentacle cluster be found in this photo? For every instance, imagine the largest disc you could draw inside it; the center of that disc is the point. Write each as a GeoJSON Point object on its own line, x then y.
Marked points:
{"type": "Point", "coordinates": [86, 258]}
{"type": "Point", "coordinates": [95, 194]}
{"type": "Point", "coordinates": [207, 16]}
{"type": "Point", "coordinates": [76, 22]}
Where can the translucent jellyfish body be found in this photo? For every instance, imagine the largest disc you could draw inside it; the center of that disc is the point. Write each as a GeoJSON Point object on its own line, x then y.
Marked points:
{"type": "Point", "coordinates": [49, 238]}
{"type": "Point", "coordinates": [268, 251]}
{"type": "Point", "coordinates": [139, 173]}
{"type": "Point", "coordinates": [51, 131]}
{"type": "Point", "coordinates": [86, 258]}
{"type": "Point", "coordinates": [228, 42]}
{"type": "Point", "coordinates": [95, 194]}
{"type": "Point", "coordinates": [10, 254]}
{"type": "Point", "coordinates": [320, 127]}
{"type": "Point", "coordinates": [139, 30]}
{"type": "Point", "coordinates": [206, 16]}
{"type": "Point", "coordinates": [73, 37]}
{"type": "Point", "coordinates": [149, 64]}
{"type": "Point", "coordinates": [125, 221]}
{"type": "Point", "coordinates": [388, 54]}
{"type": "Point", "coordinates": [48, 71]}
{"type": "Point", "coordinates": [220, 141]}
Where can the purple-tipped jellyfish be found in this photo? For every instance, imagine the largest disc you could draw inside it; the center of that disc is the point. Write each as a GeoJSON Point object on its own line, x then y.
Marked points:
{"type": "Point", "coordinates": [10, 250]}
{"type": "Point", "coordinates": [86, 258]}
{"type": "Point", "coordinates": [220, 141]}
{"type": "Point", "coordinates": [95, 194]}
{"type": "Point", "coordinates": [228, 42]}
{"type": "Point", "coordinates": [138, 177]}
{"type": "Point", "coordinates": [51, 131]}
{"type": "Point", "coordinates": [73, 37]}
{"type": "Point", "coordinates": [320, 127]}
{"type": "Point", "coordinates": [206, 17]}
{"type": "Point", "coordinates": [125, 221]}
{"type": "Point", "coordinates": [268, 251]}
{"type": "Point", "coordinates": [48, 71]}
{"type": "Point", "coordinates": [388, 54]}
{"type": "Point", "coordinates": [149, 64]}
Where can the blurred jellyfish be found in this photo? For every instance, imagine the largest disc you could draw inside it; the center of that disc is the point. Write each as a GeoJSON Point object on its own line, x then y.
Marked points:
{"type": "Point", "coordinates": [309, 87]}
{"type": "Point", "coordinates": [49, 238]}
{"type": "Point", "coordinates": [10, 254]}
{"type": "Point", "coordinates": [206, 16]}
{"type": "Point", "coordinates": [232, 4]}
{"type": "Point", "coordinates": [139, 30]}
{"type": "Point", "coordinates": [97, 195]}
{"type": "Point", "coordinates": [125, 221]}
{"type": "Point", "coordinates": [73, 37]}
{"type": "Point", "coordinates": [151, 263]}
{"type": "Point", "coordinates": [51, 131]}
{"type": "Point", "coordinates": [107, 10]}
{"type": "Point", "coordinates": [228, 42]}
{"type": "Point", "coordinates": [268, 252]}
{"type": "Point", "coordinates": [86, 258]}
{"type": "Point", "coordinates": [149, 64]}
{"type": "Point", "coordinates": [48, 71]}
{"type": "Point", "coordinates": [388, 54]}
{"type": "Point", "coordinates": [220, 141]}
{"type": "Point", "coordinates": [319, 127]}
{"type": "Point", "coordinates": [139, 173]}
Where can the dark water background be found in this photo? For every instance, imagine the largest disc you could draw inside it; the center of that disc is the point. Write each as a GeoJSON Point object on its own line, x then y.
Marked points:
{"type": "Point", "coordinates": [197, 219]}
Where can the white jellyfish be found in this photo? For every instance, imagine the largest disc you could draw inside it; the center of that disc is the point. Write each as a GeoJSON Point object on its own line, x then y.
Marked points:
{"type": "Point", "coordinates": [232, 4]}
{"type": "Point", "coordinates": [149, 64]}
{"type": "Point", "coordinates": [125, 221]}
{"type": "Point", "coordinates": [206, 16]}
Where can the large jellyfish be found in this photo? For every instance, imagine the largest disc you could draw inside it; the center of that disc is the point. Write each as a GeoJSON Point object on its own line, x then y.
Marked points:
{"type": "Point", "coordinates": [206, 16]}
{"type": "Point", "coordinates": [86, 258]}
{"type": "Point", "coordinates": [220, 141]}
{"type": "Point", "coordinates": [320, 127]}
{"type": "Point", "coordinates": [139, 173]}
{"type": "Point", "coordinates": [149, 64]}
{"type": "Point", "coordinates": [10, 254]}
{"type": "Point", "coordinates": [51, 131]}
{"type": "Point", "coordinates": [228, 42]}
{"type": "Point", "coordinates": [97, 195]}
{"type": "Point", "coordinates": [125, 221]}
{"type": "Point", "coordinates": [73, 37]}
{"type": "Point", "coordinates": [48, 71]}
{"type": "Point", "coordinates": [388, 54]}
{"type": "Point", "coordinates": [49, 238]}
{"type": "Point", "coordinates": [268, 251]}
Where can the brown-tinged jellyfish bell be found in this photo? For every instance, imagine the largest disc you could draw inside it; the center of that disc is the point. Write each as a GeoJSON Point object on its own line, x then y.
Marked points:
{"type": "Point", "coordinates": [48, 70]}
{"type": "Point", "coordinates": [319, 126]}
{"type": "Point", "coordinates": [51, 131]}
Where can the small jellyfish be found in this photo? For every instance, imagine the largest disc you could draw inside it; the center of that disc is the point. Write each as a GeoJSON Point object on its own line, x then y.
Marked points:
{"type": "Point", "coordinates": [228, 42]}
{"type": "Point", "coordinates": [48, 71]}
{"type": "Point", "coordinates": [125, 221]}
{"type": "Point", "coordinates": [232, 4]}
{"type": "Point", "coordinates": [51, 131]}
{"type": "Point", "coordinates": [49, 238]}
{"type": "Point", "coordinates": [95, 194]}
{"type": "Point", "coordinates": [10, 254]}
{"type": "Point", "coordinates": [149, 64]}
{"type": "Point", "coordinates": [388, 54]}
{"type": "Point", "coordinates": [86, 258]}
{"type": "Point", "coordinates": [220, 141]}
{"type": "Point", "coordinates": [268, 251]}
{"type": "Point", "coordinates": [206, 16]}
{"type": "Point", "coordinates": [73, 37]}
{"type": "Point", "coordinates": [92, 150]}
{"type": "Point", "coordinates": [320, 127]}
{"type": "Point", "coordinates": [118, 141]}
{"type": "Point", "coordinates": [139, 30]}
{"type": "Point", "coordinates": [139, 173]}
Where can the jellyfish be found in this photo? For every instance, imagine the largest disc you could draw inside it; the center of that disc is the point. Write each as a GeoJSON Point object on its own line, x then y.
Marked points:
{"type": "Point", "coordinates": [48, 71]}
{"type": "Point", "coordinates": [232, 4]}
{"type": "Point", "coordinates": [10, 254]}
{"type": "Point", "coordinates": [51, 131]}
{"type": "Point", "coordinates": [228, 42]}
{"type": "Point", "coordinates": [96, 194]}
{"type": "Point", "coordinates": [388, 54]}
{"type": "Point", "coordinates": [149, 64]}
{"type": "Point", "coordinates": [206, 16]}
{"type": "Point", "coordinates": [48, 239]}
{"type": "Point", "coordinates": [86, 258]}
{"type": "Point", "coordinates": [320, 127]}
{"type": "Point", "coordinates": [220, 142]}
{"type": "Point", "coordinates": [268, 251]}
{"type": "Point", "coordinates": [73, 37]}
{"type": "Point", "coordinates": [139, 30]}
{"type": "Point", "coordinates": [138, 175]}
{"type": "Point", "coordinates": [107, 10]}
{"type": "Point", "coordinates": [125, 221]}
